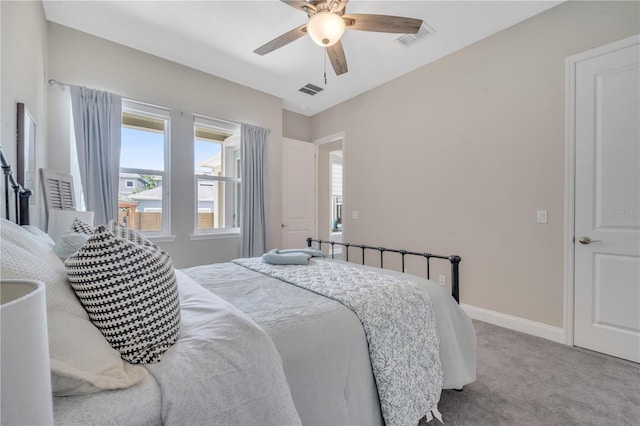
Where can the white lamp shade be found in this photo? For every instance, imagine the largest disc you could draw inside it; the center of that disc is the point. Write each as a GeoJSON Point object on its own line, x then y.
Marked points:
{"type": "Point", "coordinates": [60, 221]}
{"type": "Point", "coordinates": [325, 28]}
{"type": "Point", "coordinates": [25, 374]}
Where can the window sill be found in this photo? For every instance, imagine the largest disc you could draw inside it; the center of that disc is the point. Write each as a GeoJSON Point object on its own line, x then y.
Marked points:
{"type": "Point", "coordinates": [214, 236]}
{"type": "Point", "coordinates": [161, 238]}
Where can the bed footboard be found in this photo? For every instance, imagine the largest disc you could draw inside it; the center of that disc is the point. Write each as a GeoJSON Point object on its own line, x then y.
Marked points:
{"type": "Point", "coordinates": [453, 259]}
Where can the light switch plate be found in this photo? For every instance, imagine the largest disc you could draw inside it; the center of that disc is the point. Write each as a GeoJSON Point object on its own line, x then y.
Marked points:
{"type": "Point", "coordinates": [355, 214]}
{"type": "Point", "coordinates": [541, 216]}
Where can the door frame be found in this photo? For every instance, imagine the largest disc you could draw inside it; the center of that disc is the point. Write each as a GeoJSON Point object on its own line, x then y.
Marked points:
{"type": "Point", "coordinates": [321, 141]}
{"type": "Point", "coordinates": [571, 63]}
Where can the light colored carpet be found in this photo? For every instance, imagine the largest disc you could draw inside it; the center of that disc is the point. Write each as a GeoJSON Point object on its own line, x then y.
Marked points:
{"type": "Point", "coordinates": [527, 380]}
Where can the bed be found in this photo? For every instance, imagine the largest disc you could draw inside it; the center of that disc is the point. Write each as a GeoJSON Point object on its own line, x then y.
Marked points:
{"type": "Point", "coordinates": [255, 346]}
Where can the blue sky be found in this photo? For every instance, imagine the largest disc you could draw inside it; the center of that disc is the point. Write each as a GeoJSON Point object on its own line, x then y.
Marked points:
{"type": "Point", "coordinates": [145, 150]}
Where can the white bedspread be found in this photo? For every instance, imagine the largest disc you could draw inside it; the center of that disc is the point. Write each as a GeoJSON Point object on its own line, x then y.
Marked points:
{"type": "Point", "coordinates": [224, 369]}
{"type": "Point", "coordinates": [399, 322]}
{"type": "Point", "coordinates": [139, 405]}
{"type": "Point", "coordinates": [323, 345]}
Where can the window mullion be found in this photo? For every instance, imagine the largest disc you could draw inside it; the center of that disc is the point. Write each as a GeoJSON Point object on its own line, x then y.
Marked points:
{"type": "Point", "coordinates": [218, 178]}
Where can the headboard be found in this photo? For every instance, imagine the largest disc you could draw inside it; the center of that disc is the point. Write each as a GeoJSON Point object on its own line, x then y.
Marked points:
{"type": "Point", "coordinates": [21, 195]}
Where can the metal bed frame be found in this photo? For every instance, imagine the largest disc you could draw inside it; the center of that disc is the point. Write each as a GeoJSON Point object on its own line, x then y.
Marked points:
{"type": "Point", "coordinates": [453, 259]}
{"type": "Point", "coordinates": [21, 195]}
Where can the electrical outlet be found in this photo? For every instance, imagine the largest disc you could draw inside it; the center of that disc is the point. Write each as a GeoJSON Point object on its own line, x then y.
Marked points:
{"type": "Point", "coordinates": [442, 279]}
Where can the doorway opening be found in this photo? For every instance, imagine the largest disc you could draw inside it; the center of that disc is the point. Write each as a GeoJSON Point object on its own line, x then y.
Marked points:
{"type": "Point", "coordinates": [330, 192]}
{"type": "Point", "coordinates": [335, 169]}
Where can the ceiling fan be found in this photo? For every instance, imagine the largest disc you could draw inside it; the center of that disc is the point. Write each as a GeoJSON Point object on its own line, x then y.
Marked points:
{"type": "Point", "coordinates": [328, 21]}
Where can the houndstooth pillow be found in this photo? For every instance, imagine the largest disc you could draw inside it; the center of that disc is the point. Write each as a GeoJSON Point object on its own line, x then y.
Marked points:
{"type": "Point", "coordinates": [130, 293]}
{"type": "Point", "coordinates": [128, 233]}
{"type": "Point", "coordinates": [80, 226]}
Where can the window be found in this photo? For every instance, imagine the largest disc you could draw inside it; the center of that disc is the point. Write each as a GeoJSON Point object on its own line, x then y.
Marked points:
{"type": "Point", "coordinates": [217, 175]}
{"type": "Point", "coordinates": [143, 201]}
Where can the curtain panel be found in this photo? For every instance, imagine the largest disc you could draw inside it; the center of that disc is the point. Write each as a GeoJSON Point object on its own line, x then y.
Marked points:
{"type": "Point", "coordinates": [97, 121]}
{"type": "Point", "coordinates": [254, 160]}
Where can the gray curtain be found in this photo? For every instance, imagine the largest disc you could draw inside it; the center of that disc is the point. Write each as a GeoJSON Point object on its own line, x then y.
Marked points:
{"type": "Point", "coordinates": [97, 121]}
{"type": "Point", "coordinates": [253, 222]}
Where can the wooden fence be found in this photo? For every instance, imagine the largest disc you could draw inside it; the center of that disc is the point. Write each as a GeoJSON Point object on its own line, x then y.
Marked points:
{"type": "Point", "coordinates": [152, 221]}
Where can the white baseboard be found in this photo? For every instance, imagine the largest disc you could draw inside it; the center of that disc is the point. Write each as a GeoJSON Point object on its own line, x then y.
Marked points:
{"type": "Point", "coordinates": [511, 322]}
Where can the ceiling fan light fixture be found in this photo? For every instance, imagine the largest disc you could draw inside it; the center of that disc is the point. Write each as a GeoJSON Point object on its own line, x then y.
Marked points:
{"type": "Point", "coordinates": [325, 28]}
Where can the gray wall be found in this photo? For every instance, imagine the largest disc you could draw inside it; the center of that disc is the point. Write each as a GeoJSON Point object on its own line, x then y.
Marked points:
{"type": "Point", "coordinates": [296, 126]}
{"type": "Point", "coordinates": [457, 156]}
{"type": "Point", "coordinates": [23, 79]}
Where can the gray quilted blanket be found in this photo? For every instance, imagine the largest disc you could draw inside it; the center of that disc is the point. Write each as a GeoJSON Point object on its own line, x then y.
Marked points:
{"type": "Point", "coordinates": [399, 323]}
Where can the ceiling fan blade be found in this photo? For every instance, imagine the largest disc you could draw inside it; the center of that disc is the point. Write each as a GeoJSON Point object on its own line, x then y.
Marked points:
{"type": "Point", "coordinates": [283, 40]}
{"type": "Point", "coordinates": [301, 5]}
{"type": "Point", "coordinates": [382, 23]}
{"type": "Point", "coordinates": [337, 58]}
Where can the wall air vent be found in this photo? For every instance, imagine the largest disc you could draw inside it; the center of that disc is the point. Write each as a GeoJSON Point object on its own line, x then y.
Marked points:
{"type": "Point", "coordinates": [410, 39]}
{"type": "Point", "coordinates": [310, 89]}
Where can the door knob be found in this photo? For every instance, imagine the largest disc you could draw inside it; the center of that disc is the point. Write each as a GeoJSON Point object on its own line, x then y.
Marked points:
{"type": "Point", "coordinates": [587, 240]}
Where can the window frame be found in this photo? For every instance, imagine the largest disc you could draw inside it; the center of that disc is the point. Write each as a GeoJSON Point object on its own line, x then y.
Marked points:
{"type": "Point", "coordinates": [227, 127]}
{"type": "Point", "coordinates": [159, 113]}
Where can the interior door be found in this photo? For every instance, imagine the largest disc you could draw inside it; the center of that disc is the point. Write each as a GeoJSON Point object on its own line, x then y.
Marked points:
{"type": "Point", "coordinates": [298, 192]}
{"type": "Point", "coordinates": [607, 204]}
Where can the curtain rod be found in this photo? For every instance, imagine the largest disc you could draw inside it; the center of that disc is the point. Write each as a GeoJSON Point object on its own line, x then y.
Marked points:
{"type": "Point", "coordinates": [53, 82]}
{"type": "Point", "coordinates": [62, 85]}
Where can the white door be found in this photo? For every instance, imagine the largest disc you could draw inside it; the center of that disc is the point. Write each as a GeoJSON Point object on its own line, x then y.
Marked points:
{"type": "Point", "coordinates": [298, 192]}
{"type": "Point", "coordinates": [607, 203]}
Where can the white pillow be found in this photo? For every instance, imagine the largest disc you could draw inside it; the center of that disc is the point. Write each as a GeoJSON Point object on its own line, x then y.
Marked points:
{"type": "Point", "coordinates": [68, 244]}
{"type": "Point", "coordinates": [81, 359]}
{"type": "Point", "coordinates": [42, 236]}
{"type": "Point", "coordinates": [88, 367]}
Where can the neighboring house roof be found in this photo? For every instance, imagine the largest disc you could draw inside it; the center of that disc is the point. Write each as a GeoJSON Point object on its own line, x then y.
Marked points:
{"type": "Point", "coordinates": [149, 194]}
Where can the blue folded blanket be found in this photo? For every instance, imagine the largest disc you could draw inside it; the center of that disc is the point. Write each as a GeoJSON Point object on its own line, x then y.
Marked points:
{"type": "Point", "coordinates": [291, 256]}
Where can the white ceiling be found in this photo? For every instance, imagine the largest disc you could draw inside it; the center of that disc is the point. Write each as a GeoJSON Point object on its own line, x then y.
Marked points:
{"type": "Point", "coordinates": [218, 37]}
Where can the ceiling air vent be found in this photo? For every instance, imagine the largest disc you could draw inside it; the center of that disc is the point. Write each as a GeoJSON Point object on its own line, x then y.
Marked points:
{"type": "Point", "coordinates": [409, 39]}
{"type": "Point", "coordinates": [310, 89]}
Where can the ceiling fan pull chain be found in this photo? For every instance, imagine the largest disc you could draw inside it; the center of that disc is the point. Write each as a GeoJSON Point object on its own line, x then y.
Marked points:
{"type": "Point", "coordinates": [324, 53]}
